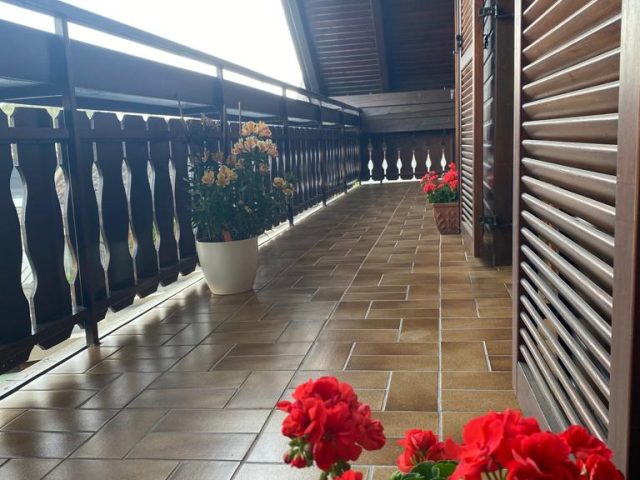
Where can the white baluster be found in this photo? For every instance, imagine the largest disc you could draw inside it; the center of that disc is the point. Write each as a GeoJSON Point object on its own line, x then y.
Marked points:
{"type": "Point", "coordinates": [414, 163]}
{"type": "Point", "coordinates": [385, 164]}
{"type": "Point", "coordinates": [399, 164]}
{"type": "Point", "coordinates": [370, 164]}
{"type": "Point", "coordinates": [428, 162]}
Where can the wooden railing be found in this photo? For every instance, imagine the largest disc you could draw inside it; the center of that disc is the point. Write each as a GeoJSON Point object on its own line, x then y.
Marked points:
{"type": "Point", "coordinates": [94, 209]}
{"type": "Point", "coordinates": [405, 156]}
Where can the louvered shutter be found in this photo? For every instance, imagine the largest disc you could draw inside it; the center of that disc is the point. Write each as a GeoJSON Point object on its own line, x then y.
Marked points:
{"type": "Point", "coordinates": [568, 61]}
{"type": "Point", "coordinates": [469, 88]}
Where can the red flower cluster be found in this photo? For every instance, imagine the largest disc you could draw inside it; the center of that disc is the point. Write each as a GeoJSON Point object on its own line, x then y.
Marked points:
{"type": "Point", "coordinates": [507, 444]}
{"type": "Point", "coordinates": [328, 425]}
{"type": "Point", "coordinates": [431, 181]}
{"type": "Point", "coordinates": [423, 446]}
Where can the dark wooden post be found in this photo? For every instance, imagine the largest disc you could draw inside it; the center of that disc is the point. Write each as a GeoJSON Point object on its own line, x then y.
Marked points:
{"type": "Point", "coordinates": [323, 157]}
{"type": "Point", "coordinates": [63, 69]}
{"type": "Point", "coordinates": [222, 104]}
{"type": "Point", "coordinates": [284, 117]}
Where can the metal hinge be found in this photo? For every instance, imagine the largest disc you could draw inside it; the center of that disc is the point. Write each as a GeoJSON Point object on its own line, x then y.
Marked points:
{"type": "Point", "coordinates": [459, 42]}
{"type": "Point", "coordinates": [491, 11]}
{"type": "Point", "coordinates": [492, 221]}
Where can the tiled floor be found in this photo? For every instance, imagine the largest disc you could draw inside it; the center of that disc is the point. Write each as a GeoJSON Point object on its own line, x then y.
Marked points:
{"type": "Point", "coordinates": [365, 289]}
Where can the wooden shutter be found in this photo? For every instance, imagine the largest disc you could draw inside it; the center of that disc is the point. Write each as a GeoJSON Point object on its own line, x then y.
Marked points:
{"type": "Point", "coordinates": [497, 131]}
{"type": "Point", "coordinates": [568, 64]}
{"type": "Point", "coordinates": [469, 91]}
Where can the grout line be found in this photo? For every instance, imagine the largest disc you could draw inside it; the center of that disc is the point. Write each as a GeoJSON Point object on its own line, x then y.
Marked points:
{"type": "Point", "coordinates": [486, 355]}
{"type": "Point", "coordinates": [346, 362]}
{"type": "Point", "coordinates": [386, 392]}
{"type": "Point", "coordinates": [439, 401]}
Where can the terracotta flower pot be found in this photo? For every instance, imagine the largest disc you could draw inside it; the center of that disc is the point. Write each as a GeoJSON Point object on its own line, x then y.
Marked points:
{"type": "Point", "coordinates": [447, 217]}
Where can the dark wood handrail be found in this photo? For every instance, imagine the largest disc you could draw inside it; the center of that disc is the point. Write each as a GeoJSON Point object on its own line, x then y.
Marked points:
{"type": "Point", "coordinates": [79, 16]}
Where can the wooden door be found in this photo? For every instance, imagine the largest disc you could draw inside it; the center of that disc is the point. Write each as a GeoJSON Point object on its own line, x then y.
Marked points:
{"type": "Point", "coordinates": [497, 131]}
{"type": "Point", "coordinates": [576, 209]}
{"type": "Point", "coordinates": [469, 104]}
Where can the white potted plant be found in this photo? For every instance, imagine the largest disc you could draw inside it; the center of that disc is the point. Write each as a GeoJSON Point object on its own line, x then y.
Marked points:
{"type": "Point", "coordinates": [233, 202]}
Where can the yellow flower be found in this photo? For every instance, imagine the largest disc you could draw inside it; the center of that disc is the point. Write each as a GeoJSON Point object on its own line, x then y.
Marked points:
{"type": "Point", "coordinates": [226, 176]}
{"type": "Point", "coordinates": [279, 182]}
{"type": "Point", "coordinates": [264, 168]}
{"type": "Point", "coordinates": [240, 164]}
{"type": "Point", "coordinates": [249, 144]}
{"type": "Point", "coordinates": [263, 130]}
{"type": "Point", "coordinates": [288, 191]}
{"type": "Point", "coordinates": [208, 178]}
{"type": "Point", "coordinates": [248, 128]}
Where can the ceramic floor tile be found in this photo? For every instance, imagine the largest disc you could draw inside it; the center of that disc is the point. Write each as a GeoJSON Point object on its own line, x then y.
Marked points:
{"type": "Point", "coordinates": [222, 379]}
{"type": "Point", "coordinates": [260, 362]}
{"type": "Point", "coordinates": [193, 446]}
{"type": "Point", "coordinates": [121, 391]}
{"type": "Point", "coordinates": [46, 399]}
{"type": "Point", "coordinates": [209, 470]}
{"type": "Point", "coordinates": [213, 421]}
{"type": "Point", "coordinates": [413, 391]}
{"type": "Point", "coordinates": [40, 444]}
{"type": "Point", "coordinates": [183, 398]}
{"type": "Point", "coordinates": [113, 470]}
{"type": "Point", "coordinates": [327, 356]}
{"type": "Point", "coordinates": [477, 400]}
{"type": "Point", "coordinates": [27, 468]}
{"type": "Point", "coordinates": [394, 362]}
{"type": "Point", "coordinates": [120, 434]}
{"type": "Point", "coordinates": [261, 390]}
{"type": "Point", "coordinates": [61, 420]}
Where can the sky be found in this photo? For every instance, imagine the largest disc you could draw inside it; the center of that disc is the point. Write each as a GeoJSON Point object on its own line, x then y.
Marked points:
{"type": "Point", "coordinates": [252, 33]}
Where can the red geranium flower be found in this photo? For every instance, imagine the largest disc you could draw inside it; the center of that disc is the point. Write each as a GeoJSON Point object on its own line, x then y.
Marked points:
{"type": "Point", "coordinates": [583, 444]}
{"type": "Point", "coordinates": [371, 436]}
{"type": "Point", "coordinates": [542, 456]}
{"type": "Point", "coordinates": [489, 442]}
{"type": "Point", "coordinates": [421, 446]}
{"type": "Point", "coordinates": [339, 439]}
{"type": "Point", "coordinates": [350, 475]}
{"type": "Point", "coordinates": [600, 468]}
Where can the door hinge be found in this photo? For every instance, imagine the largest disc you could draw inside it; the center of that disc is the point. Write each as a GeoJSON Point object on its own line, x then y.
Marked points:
{"type": "Point", "coordinates": [459, 42]}
{"type": "Point", "coordinates": [491, 11]}
{"type": "Point", "coordinates": [492, 222]}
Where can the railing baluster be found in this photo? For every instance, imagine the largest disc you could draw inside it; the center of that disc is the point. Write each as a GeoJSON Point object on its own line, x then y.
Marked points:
{"type": "Point", "coordinates": [141, 202]}
{"type": "Point", "coordinates": [163, 200]}
{"type": "Point", "coordinates": [15, 324]}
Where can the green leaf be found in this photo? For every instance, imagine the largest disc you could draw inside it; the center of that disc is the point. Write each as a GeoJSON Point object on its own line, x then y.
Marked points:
{"type": "Point", "coordinates": [425, 469]}
{"type": "Point", "coordinates": [444, 469]}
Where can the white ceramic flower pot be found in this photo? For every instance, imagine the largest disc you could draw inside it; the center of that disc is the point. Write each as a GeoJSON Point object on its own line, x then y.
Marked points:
{"type": "Point", "coordinates": [229, 267]}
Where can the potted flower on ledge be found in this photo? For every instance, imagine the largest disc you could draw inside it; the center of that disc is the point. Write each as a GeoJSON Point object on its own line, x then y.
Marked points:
{"type": "Point", "coordinates": [234, 201]}
{"type": "Point", "coordinates": [442, 192]}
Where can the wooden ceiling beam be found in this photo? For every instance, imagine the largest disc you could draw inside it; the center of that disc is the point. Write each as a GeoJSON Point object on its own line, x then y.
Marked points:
{"type": "Point", "coordinates": [376, 13]}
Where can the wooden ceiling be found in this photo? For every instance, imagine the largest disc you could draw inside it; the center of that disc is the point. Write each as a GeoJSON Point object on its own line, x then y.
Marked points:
{"type": "Point", "coordinates": [354, 47]}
